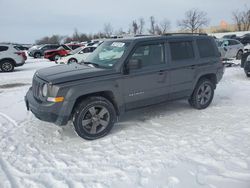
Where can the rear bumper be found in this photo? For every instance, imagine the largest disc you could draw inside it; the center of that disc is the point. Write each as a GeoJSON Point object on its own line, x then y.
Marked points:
{"type": "Point", "coordinates": [20, 64]}
{"type": "Point", "coordinates": [220, 73]}
{"type": "Point", "coordinates": [48, 56]}
{"type": "Point", "coordinates": [48, 112]}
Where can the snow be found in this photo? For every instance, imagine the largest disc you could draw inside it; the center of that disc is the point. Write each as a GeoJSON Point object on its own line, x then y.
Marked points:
{"type": "Point", "coordinates": [169, 145]}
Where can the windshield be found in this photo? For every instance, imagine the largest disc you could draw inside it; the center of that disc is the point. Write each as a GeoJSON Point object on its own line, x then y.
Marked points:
{"type": "Point", "coordinates": [75, 51]}
{"type": "Point", "coordinates": [108, 53]}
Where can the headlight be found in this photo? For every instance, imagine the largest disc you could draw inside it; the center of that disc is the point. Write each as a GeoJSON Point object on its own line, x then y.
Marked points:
{"type": "Point", "coordinates": [45, 90]}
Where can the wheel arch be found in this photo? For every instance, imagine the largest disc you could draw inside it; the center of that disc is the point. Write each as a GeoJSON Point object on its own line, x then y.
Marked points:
{"type": "Point", "coordinates": [107, 94]}
{"type": "Point", "coordinates": [210, 76]}
{"type": "Point", "coordinates": [8, 59]}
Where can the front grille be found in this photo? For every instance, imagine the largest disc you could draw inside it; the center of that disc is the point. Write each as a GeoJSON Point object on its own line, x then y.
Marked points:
{"type": "Point", "coordinates": [36, 87]}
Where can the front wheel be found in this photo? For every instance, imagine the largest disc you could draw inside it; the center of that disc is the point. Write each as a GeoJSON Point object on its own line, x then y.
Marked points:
{"type": "Point", "coordinates": [239, 54]}
{"type": "Point", "coordinates": [202, 95]}
{"type": "Point", "coordinates": [57, 57]}
{"type": "Point", "coordinates": [94, 117]}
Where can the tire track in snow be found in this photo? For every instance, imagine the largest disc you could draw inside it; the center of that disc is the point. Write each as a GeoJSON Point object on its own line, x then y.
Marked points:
{"type": "Point", "coordinates": [11, 179]}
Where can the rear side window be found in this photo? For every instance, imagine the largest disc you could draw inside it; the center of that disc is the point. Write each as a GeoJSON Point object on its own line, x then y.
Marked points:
{"type": "Point", "coordinates": [233, 42]}
{"type": "Point", "coordinates": [181, 50]}
{"type": "Point", "coordinates": [206, 48]}
{"type": "Point", "coordinates": [3, 48]}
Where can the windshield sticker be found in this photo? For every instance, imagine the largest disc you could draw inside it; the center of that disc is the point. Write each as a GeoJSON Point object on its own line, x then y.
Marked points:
{"type": "Point", "coordinates": [118, 44]}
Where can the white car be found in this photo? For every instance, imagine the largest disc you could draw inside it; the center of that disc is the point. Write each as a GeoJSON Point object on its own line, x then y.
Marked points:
{"type": "Point", "coordinates": [10, 57]}
{"type": "Point", "coordinates": [230, 48]}
{"type": "Point", "coordinates": [77, 55]}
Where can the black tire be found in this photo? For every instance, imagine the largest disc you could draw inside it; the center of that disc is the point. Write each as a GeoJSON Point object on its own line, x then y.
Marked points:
{"type": "Point", "coordinates": [56, 57]}
{"type": "Point", "coordinates": [98, 115]}
{"type": "Point", "coordinates": [37, 55]}
{"type": "Point", "coordinates": [51, 59]}
{"type": "Point", "coordinates": [239, 54]}
{"type": "Point", "coordinates": [7, 66]}
{"type": "Point", "coordinates": [72, 60]}
{"type": "Point", "coordinates": [202, 95]}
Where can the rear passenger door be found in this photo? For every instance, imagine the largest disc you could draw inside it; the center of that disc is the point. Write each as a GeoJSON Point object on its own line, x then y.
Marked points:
{"type": "Point", "coordinates": [182, 67]}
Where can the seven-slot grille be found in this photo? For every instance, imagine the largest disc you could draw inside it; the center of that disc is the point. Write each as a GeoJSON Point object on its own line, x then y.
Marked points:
{"type": "Point", "coordinates": [36, 87]}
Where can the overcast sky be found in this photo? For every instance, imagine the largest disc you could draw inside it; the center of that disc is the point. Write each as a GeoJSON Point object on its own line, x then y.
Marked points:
{"type": "Point", "coordinates": [25, 21]}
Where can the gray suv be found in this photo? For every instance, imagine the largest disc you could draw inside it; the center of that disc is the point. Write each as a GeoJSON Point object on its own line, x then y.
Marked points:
{"type": "Point", "coordinates": [125, 74]}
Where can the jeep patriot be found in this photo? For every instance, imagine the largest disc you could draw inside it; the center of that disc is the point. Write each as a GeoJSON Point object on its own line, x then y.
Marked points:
{"type": "Point", "coordinates": [125, 74]}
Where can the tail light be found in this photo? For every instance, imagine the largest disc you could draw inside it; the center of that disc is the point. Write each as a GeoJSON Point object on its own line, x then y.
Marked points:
{"type": "Point", "coordinates": [22, 54]}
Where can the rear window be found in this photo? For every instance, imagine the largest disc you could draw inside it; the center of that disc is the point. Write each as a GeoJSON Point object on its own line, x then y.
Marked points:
{"type": "Point", "coordinates": [206, 48]}
{"type": "Point", "coordinates": [3, 48]}
{"type": "Point", "coordinates": [181, 50]}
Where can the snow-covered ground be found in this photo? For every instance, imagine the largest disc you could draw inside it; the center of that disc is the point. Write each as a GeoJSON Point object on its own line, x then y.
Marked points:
{"type": "Point", "coordinates": [169, 145]}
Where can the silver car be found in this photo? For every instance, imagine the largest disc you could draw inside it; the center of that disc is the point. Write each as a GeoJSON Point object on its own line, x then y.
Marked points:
{"type": "Point", "coordinates": [230, 48]}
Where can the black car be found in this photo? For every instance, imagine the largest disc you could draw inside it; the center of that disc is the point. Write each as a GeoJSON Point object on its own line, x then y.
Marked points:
{"type": "Point", "coordinates": [245, 39]}
{"type": "Point", "coordinates": [125, 74]}
{"type": "Point", "coordinates": [39, 52]}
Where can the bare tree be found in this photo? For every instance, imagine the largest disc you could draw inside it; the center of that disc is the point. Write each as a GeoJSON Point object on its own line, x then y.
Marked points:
{"type": "Point", "coordinates": [193, 21]}
{"type": "Point", "coordinates": [165, 25]}
{"type": "Point", "coordinates": [54, 39]}
{"type": "Point", "coordinates": [141, 25]}
{"type": "Point", "coordinates": [135, 27]}
{"type": "Point", "coordinates": [108, 29]}
{"type": "Point", "coordinates": [152, 25]}
{"type": "Point", "coordinates": [242, 19]}
{"type": "Point", "coordinates": [237, 17]}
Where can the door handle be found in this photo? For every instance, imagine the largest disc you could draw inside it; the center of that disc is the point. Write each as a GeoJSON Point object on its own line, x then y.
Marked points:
{"type": "Point", "coordinates": [193, 66]}
{"type": "Point", "coordinates": [161, 72]}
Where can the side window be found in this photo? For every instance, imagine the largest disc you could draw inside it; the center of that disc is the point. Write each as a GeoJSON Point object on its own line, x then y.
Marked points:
{"type": "Point", "coordinates": [181, 50]}
{"type": "Point", "coordinates": [3, 48]}
{"type": "Point", "coordinates": [86, 50]}
{"type": "Point", "coordinates": [206, 48]}
{"type": "Point", "coordinates": [233, 42]}
{"type": "Point", "coordinates": [73, 47]}
{"type": "Point", "coordinates": [149, 55]}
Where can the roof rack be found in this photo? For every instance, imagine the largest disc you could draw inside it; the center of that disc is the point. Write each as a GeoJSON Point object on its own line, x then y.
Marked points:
{"type": "Point", "coordinates": [170, 34]}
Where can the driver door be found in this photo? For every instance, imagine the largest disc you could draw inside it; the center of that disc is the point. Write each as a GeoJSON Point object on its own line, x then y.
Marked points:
{"type": "Point", "coordinates": [147, 82]}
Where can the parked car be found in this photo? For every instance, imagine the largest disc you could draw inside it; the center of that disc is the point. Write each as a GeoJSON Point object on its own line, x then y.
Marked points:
{"type": "Point", "coordinates": [38, 52]}
{"type": "Point", "coordinates": [245, 39]}
{"type": "Point", "coordinates": [77, 55]}
{"type": "Point", "coordinates": [246, 65]}
{"type": "Point", "coordinates": [63, 50]}
{"type": "Point", "coordinates": [230, 48]}
{"type": "Point", "coordinates": [11, 57]}
{"type": "Point", "coordinates": [232, 36]}
{"type": "Point", "coordinates": [125, 74]}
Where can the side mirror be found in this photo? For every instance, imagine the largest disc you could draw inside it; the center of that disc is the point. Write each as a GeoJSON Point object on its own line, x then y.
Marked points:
{"type": "Point", "coordinates": [134, 64]}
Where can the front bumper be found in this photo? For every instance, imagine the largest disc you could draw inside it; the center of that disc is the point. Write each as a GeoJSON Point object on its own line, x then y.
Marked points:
{"type": "Point", "coordinates": [48, 112]}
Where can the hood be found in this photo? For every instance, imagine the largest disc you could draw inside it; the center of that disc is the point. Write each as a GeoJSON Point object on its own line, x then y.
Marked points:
{"type": "Point", "coordinates": [70, 72]}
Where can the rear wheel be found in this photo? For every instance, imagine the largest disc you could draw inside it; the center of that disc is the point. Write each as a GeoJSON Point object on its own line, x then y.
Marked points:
{"type": "Point", "coordinates": [94, 117]}
{"type": "Point", "coordinates": [202, 95]}
{"type": "Point", "coordinates": [72, 60]}
{"type": "Point", "coordinates": [37, 55]}
{"type": "Point", "coordinates": [7, 66]}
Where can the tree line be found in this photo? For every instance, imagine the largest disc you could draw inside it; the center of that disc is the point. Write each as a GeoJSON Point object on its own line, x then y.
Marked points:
{"type": "Point", "coordinates": [193, 21]}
